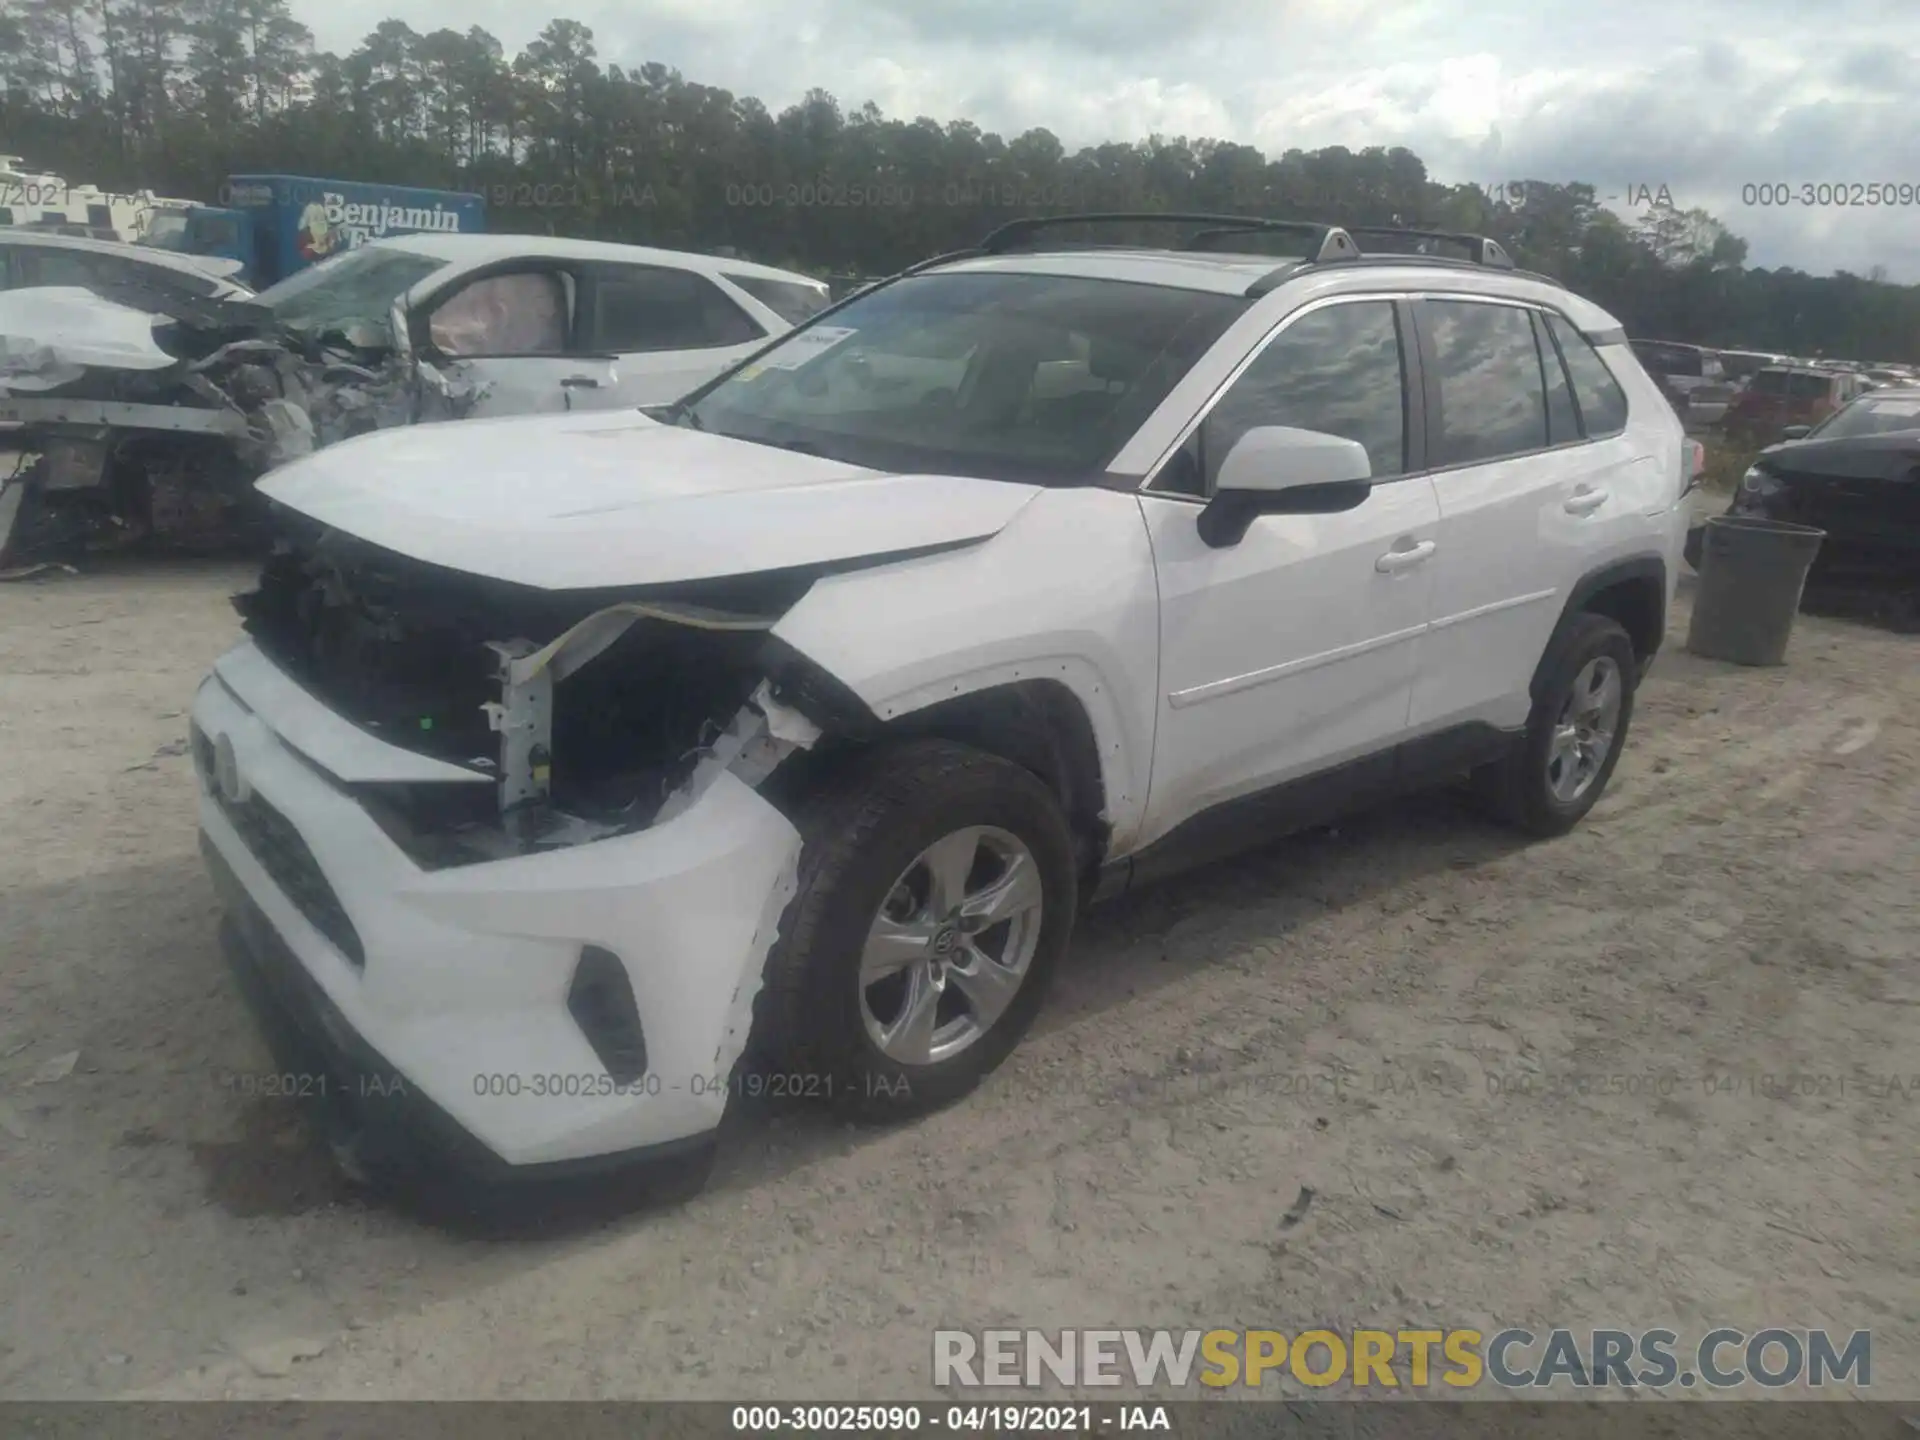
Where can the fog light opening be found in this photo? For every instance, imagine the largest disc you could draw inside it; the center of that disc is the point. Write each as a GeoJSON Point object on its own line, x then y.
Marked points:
{"type": "Point", "coordinates": [601, 1002]}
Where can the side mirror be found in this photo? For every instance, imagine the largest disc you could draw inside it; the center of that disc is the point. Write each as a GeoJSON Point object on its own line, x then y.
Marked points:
{"type": "Point", "coordinates": [1794, 432]}
{"type": "Point", "coordinates": [1281, 470]}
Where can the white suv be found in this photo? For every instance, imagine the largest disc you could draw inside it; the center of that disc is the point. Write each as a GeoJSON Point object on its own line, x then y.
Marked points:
{"type": "Point", "coordinates": [567, 755]}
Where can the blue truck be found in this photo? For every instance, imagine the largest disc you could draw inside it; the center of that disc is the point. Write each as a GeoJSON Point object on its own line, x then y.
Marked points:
{"type": "Point", "coordinates": [275, 225]}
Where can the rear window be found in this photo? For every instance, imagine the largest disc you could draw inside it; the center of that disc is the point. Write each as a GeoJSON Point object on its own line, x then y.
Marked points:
{"type": "Point", "coordinates": [1788, 383]}
{"type": "Point", "coordinates": [790, 300]}
{"type": "Point", "coordinates": [1603, 404]}
{"type": "Point", "coordinates": [89, 270]}
{"type": "Point", "coordinates": [1872, 417]}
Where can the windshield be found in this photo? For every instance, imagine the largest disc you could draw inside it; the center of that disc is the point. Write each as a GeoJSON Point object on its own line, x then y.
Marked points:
{"type": "Point", "coordinates": [360, 285]}
{"type": "Point", "coordinates": [1018, 377]}
{"type": "Point", "coordinates": [1871, 417]}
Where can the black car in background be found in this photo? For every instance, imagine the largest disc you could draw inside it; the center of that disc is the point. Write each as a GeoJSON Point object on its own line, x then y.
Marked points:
{"type": "Point", "coordinates": [1856, 475]}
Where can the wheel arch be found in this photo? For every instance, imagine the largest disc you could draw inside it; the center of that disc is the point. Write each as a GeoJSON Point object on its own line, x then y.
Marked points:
{"type": "Point", "coordinates": [1035, 714]}
{"type": "Point", "coordinates": [1632, 592]}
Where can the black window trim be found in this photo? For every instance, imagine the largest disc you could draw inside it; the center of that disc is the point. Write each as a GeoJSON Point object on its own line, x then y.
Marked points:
{"type": "Point", "coordinates": [1413, 417]}
{"type": "Point", "coordinates": [1431, 398]}
{"type": "Point", "coordinates": [592, 272]}
{"type": "Point", "coordinates": [1420, 395]}
{"type": "Point", "coordinates": [1545, 344]}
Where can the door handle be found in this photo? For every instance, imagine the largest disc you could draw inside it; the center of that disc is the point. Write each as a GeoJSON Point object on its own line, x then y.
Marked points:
{"type": "Point", "coordinates": [580, 382]}
{"type": "Point", "coordinates": [1585, 502]}
{"type": "Point", "coordinates": [1395, 561]}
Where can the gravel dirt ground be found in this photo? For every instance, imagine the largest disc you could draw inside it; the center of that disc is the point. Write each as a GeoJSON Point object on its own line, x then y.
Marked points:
{"type": "Point", "coordinates": [1408, 1072]}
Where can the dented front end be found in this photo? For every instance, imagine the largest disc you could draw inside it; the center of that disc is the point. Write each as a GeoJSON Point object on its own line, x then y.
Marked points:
{"type": "Point", "coordinates": [462, 806]}
{"type": "Point", "coordinates": [147, 415]}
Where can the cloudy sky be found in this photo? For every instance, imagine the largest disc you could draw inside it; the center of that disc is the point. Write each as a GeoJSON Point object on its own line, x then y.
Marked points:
{"type": "Point", "coordinates": [1703, 97]}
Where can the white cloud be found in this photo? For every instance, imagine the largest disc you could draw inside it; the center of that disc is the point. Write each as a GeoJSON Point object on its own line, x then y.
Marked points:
{"type": "Point", "coordinates": [1703, 97]}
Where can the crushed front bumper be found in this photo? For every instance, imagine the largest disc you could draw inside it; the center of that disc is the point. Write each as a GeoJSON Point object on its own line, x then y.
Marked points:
{"type": "Point", "coordinates": [435, 1004]}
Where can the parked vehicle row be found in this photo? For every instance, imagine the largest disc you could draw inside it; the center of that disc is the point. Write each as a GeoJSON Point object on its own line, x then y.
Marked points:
{"type": "Point", "coordinates": [1711, 388]}
{"type": "Point", "coordinates": [575, 765]}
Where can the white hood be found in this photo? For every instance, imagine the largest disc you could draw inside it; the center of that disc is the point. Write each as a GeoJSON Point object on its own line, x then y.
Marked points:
{"type": "Point", "coordinates": [50, 335]}
{"type": "Point", "coordinates": [613, 499]}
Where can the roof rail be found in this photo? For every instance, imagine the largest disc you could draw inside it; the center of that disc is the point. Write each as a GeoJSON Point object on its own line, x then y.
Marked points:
{"type": "Point", "coordinates": [1480, 249]}
{"type": "Point", "coordinates": [1323, 242]}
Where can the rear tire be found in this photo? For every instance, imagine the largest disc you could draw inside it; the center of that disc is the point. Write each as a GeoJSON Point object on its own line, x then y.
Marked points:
{"type": "Point", "coordinates": [869, 898]}
{"type": "Point", "coordinates": [1557, 771]}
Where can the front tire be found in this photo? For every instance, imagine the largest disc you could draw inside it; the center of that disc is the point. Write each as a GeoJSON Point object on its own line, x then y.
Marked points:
{"type": "Point", "coordinates": [937, 892]}
{"type": "Point", "coordinates": [1557, 771]}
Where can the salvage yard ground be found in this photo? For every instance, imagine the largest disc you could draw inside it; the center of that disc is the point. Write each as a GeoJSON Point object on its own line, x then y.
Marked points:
{"type": "Point", "coordinates": [1405, 1073]}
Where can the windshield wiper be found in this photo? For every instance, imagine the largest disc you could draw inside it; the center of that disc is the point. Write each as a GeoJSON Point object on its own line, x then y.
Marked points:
{"type": "Point", "coordinates": [678, 413]}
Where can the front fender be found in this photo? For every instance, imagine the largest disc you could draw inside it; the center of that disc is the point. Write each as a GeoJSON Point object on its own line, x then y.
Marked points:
{"type": "Point", "coordinates": [1065, 593]}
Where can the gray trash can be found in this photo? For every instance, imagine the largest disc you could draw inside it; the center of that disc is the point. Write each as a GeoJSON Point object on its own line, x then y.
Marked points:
{"type": "Point", "coordinates": [1751, 577]}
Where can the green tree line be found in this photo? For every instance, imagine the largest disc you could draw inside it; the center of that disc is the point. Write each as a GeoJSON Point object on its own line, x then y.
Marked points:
{"type": "Point", "coordinates": [174, 95]}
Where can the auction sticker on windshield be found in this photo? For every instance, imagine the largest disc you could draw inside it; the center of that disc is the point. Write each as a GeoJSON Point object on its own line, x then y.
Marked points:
{"type": "Point", "coordinates": [807, 346]}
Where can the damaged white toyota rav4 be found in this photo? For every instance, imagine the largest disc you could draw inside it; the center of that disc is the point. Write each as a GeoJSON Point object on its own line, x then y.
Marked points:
{"type": "Point", "coordinates": [581, 772]}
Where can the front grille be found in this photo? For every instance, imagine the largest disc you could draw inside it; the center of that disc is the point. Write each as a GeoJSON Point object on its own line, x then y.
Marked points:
{"type": "Point", "coordinates": [271, 839]}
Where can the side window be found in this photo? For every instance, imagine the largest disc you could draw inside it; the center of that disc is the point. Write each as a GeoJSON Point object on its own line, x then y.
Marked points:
{"type": "Point", "coordinates": [1336, 370]}
{"type": "Point", "coordinates": [791, 301]}
{"type": "Point", "coordinates": [1492, 395]}
{"type": "Point", "coordinates": [1563, 421]}
{"type": "Point", "coordinates": [639, 308]}
{"type": "Point", "coordinates": [1603, 404]}
{"type": "Point", "coordinates": [47, 266]}
{"type": "Point", "coordinates": [519, 313]}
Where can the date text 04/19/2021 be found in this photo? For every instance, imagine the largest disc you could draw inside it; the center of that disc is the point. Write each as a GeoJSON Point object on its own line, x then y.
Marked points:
{"type": "Point", "coordinates": [958, 1419]}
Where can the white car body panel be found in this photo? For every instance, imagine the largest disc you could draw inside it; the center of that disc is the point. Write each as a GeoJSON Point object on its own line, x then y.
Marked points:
{"type": "Point", "coordinates": [586, 501]}
{"type": "Point", "coordinates": [1065, 593]}
{"type": "Point", "coordinates": [1284, 653]}
{"type": "Point", "coordinates": [467, 969]}
{"type": "Point", "coordinates": [659, 377]}
{"type": "Point", "coordinates": [50, 334]}
{"type": "Point", "coordinates": [1510, 550]}
{"type": "Point", "coordinates": [201, 267]}
{"type": "Point", "coordinates": [532, 384]}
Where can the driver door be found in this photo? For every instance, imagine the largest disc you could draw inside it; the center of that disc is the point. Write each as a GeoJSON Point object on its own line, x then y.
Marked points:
{"type": "Point", "coordinates": [515, 334]}
{"type": "Point", "coordinates": [1291, 653]}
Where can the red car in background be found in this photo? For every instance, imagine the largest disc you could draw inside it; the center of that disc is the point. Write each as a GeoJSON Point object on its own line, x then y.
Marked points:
{"type": "Point", "coordinates": [1783, 395]}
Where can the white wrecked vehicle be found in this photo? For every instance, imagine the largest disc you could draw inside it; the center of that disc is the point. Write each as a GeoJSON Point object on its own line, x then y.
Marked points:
{"type": "Point", "coordinates": [566, 754]}
{"type": "Point", "coordinates": [148, 410]}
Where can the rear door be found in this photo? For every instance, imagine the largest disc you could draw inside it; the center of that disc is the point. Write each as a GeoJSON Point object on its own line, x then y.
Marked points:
{"type": "Point", "coordinates": [515, 332]}
{"type": "Point", "coordinates": [670, 330]}
{"type": "Point", "coordinates": [1529, 499]}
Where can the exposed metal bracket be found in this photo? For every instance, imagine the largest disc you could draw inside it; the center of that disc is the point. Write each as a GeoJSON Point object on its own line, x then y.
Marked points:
{"type": "Point", "coordinates": [523, 717]}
